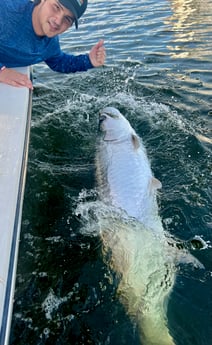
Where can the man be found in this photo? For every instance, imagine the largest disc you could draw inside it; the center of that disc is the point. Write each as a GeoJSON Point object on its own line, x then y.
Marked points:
{"type": "Point", "coordinates": [29, 34]}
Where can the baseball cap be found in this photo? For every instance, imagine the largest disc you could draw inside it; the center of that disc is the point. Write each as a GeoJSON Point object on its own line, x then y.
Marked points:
{"type": "Point", "coordinates": [77, 7]}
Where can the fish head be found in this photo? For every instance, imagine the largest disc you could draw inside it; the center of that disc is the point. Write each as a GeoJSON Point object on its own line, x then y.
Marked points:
{"type": "Point", "coordinates": [114, 125]}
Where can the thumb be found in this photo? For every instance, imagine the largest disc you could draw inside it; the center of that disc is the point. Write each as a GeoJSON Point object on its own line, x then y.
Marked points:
{"type": "Point", "coordinates": [100, 43]}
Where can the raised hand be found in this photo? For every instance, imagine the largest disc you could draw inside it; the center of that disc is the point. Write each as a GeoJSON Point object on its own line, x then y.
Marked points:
{"type": "Point", "coordinates": [97, 54]}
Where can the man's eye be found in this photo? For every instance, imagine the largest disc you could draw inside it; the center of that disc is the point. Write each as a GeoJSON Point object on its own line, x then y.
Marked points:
{"type": "Point", "coordinates": [56, 7]}
{"type": "Point", "coordinates": [69, 20]}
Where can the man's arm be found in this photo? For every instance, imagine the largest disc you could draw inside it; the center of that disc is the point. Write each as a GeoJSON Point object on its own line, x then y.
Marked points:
{"type": "Point", "coordinates": [66, 63]}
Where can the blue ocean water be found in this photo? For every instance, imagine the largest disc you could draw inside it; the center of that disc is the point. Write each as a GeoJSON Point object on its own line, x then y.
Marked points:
{"type": "Point", "coordinates": [158, 72]}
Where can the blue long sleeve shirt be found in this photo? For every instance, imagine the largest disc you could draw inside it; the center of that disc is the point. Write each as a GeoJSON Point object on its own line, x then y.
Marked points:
{"type": "Point", "coordinates": [20, 46]}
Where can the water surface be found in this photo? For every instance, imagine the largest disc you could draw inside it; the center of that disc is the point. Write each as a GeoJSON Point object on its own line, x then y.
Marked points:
{"type": "Point", "coordinates": [159, 74]}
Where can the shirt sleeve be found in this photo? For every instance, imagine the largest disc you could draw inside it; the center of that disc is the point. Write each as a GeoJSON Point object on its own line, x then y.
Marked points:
{"type": "Point", "coordinates": [66, 63]}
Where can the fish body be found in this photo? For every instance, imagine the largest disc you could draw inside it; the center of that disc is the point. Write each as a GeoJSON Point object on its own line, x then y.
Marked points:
{"type": "Point", "coordinates": [124, 174]}
{"type": "Point", "coordinates": [133, 236]}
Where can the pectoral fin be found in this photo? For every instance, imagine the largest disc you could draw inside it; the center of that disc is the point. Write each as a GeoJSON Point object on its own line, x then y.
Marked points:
{"type": "Point", "coordinates": [135, 141]}
{"type": "Point", "coordinates": [155, 183]}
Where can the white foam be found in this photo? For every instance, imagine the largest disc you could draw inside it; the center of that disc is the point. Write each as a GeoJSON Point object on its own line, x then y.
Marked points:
{"type": "Point", "coordinates": [52, 302]}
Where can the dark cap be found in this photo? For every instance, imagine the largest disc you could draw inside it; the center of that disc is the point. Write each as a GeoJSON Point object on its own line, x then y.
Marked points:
{"type": "Point", "coordinates": [77, 7]}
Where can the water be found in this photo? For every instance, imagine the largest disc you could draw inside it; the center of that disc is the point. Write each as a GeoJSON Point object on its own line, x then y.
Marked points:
{"type": "Point", "coordinates": [158, 73]}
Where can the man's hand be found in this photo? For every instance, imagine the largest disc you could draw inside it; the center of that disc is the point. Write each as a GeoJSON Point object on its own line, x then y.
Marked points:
{"type": "Point", "coordinates": [97, 54]}
{"type": "Point", "coordinates": [14, 78]}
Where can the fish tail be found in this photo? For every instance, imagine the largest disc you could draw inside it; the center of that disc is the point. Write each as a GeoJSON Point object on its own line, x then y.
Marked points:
{"type": "Point", "coordinates": [154, 330]}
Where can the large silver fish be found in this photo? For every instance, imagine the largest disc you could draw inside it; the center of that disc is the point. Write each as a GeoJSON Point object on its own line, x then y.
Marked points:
{"type": "Point", "coordinates": [123, 170]}
{"type": "Point", "coordinates": [133, 236]}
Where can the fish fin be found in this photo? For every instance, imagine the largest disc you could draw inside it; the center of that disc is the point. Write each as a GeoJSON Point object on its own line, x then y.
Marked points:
{"type": "Point", "coordinates": [182, 254]}
{"type": "Point", "coordinates": [155, 183]}
{"type": "Point", "coordinates": [135, 141]}
{"type": "Point", "coordinates": [184, 257]}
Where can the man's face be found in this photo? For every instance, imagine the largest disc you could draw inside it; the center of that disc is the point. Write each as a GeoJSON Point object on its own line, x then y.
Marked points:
{"type": "Point", "coordinates": [51, 18]}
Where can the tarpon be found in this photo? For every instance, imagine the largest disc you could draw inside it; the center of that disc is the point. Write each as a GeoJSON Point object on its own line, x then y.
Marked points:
{"type": "Point", "coordinates": [132, 234]}
{"type": "Point", "coordinates": [123, 170]}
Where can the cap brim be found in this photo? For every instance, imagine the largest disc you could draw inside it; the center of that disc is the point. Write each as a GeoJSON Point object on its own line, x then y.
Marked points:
{"type": "Point", "coordinates": [76, 23]}
{"type": "Point", "coordinates": [75, 15]}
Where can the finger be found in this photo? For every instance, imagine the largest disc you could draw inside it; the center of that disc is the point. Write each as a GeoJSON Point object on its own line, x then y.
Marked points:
{"type": "Point", "coordinates": [101, 54]}
{"type": "Point", "coordinates": [101, 49]}
{"type": "Point", "coordinates": [100, 44]}
{"type": "Point", "coordinates": [21, 83]}
{"type": "Point", "coordinates": [23, 80]}
{"type": "Point", "coordinates": [13, 83]}
{"type": "Point", "coordinates": [26, 83]}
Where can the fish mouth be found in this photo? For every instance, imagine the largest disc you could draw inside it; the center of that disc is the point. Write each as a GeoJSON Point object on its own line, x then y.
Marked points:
{"type": "Point", "coordinates": [102, 118]}
{"type": "Point", "coordinates": [103, 115]}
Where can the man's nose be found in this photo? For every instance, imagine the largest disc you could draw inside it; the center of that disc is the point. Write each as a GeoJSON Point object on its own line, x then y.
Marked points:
{"type": "Point", "coordinates": [59, 19]}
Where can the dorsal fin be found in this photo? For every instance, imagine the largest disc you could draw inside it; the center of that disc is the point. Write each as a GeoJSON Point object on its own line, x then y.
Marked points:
{"type": "Point", "coordinates": [135, 141]}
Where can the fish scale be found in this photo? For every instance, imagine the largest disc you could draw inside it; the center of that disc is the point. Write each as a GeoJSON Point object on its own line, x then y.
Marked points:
{"type": "Point", "coordinates": [127, 183]}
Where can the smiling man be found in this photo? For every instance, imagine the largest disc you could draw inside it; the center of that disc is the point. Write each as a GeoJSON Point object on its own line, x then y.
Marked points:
{"type": "Point", "coordinates": [29, 34]}
{"type": "Point", "coordinates": [52, 17]}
